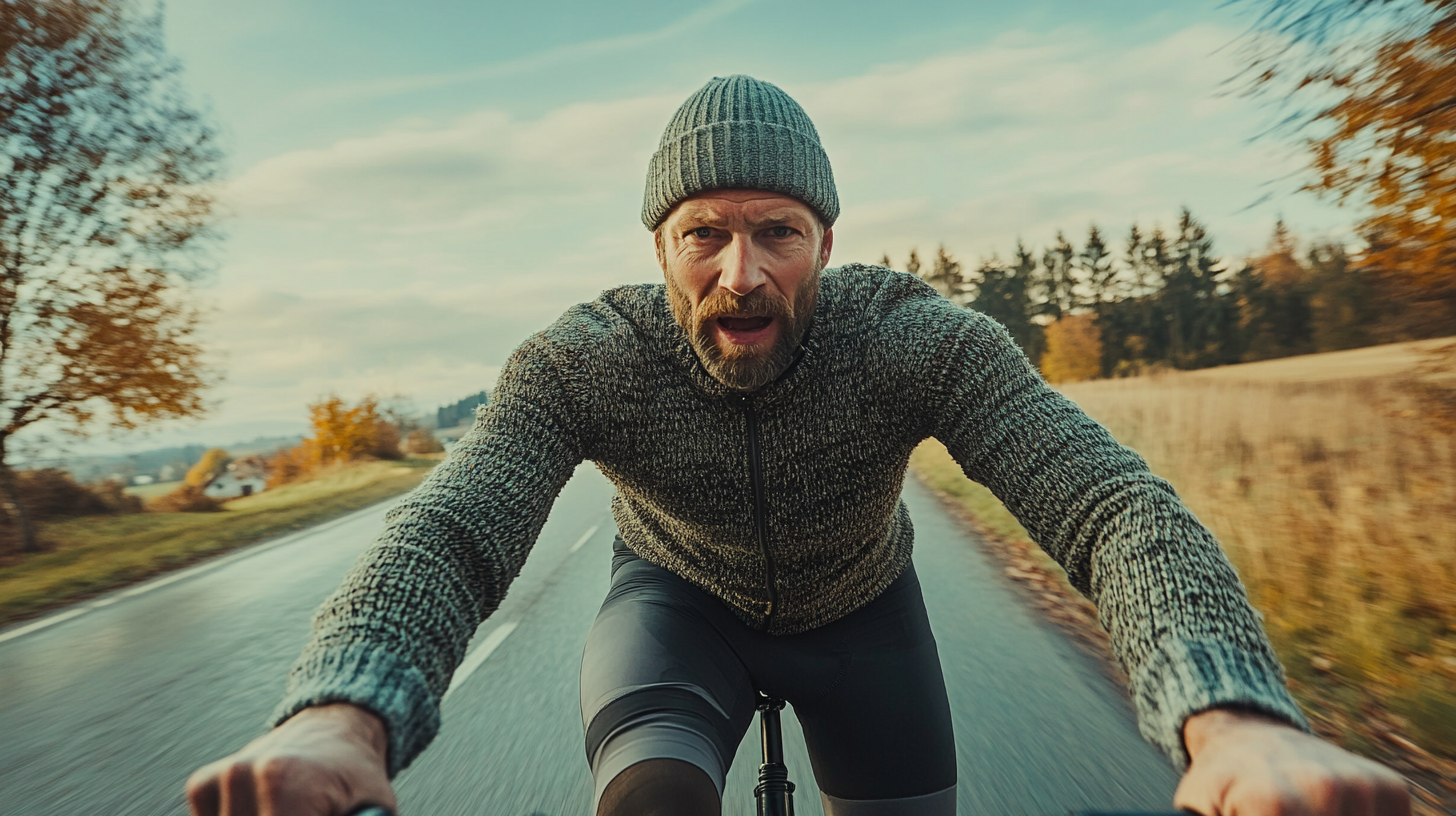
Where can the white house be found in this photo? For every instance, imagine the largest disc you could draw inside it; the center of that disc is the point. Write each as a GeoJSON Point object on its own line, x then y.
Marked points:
{"type": "Point", "coordinates": [237, 481]}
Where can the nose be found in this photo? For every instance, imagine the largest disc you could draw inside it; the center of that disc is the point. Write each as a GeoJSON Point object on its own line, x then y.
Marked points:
{"type": "Point", "coordinates": [742, 270]}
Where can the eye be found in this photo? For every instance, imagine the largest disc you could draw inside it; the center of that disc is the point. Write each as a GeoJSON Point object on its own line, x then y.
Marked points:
{"type": "Point", "coordinates": [702, 233]}
{"type": "Point", "coordinates": [781, 231]}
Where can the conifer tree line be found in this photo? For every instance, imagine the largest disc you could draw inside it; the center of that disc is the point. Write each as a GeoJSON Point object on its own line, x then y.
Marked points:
{"type": "Point", "coordinates": [1161, 299]}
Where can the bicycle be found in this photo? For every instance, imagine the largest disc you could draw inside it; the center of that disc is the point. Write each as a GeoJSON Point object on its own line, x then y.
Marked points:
{"type": "Point", "coordinates": [775, 792]}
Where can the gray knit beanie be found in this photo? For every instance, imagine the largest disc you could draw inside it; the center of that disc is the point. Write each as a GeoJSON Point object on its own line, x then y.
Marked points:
{"type": "Point", "coordinates": [738, 132]}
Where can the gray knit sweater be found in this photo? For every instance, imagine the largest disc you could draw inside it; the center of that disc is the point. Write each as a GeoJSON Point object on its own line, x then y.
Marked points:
{"type": "Point", "coordinates": [784, 503]}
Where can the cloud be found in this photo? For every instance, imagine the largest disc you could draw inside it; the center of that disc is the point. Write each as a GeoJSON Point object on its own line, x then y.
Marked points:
{"type": "Point", "coordinates": [1040, 131]}
{"type": "Point", "coordinates": [282, 350]}
{"type": "Point", "coordinates": [484, 168]}
{"type": "Point", "coordinates": [552, 57]}
{"type": "Point", "coordinates": [414, 258]}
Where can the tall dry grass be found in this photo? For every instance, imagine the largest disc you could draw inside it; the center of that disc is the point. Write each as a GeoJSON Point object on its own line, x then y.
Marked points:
{"type": "Point", "coordinates": [1336, 501]}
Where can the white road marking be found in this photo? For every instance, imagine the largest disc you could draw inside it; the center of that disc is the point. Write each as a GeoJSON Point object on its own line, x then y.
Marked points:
{"type": "Point", "coordinates": [493, 640]}
{"type": "Point", "coordinates": [183, 574]}
{"type": "Point", "coordinates": [474, 659]}
{"type": "Point", "coordinates": [585, 537]}
{"type": "Point", "coordinates": [43, 623]}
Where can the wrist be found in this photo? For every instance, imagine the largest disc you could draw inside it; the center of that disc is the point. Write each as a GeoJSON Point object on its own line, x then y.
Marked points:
{"type": "Point", "coordinates": [1211, 725]}
{"type": "Point", "coordinates": [359, 725]}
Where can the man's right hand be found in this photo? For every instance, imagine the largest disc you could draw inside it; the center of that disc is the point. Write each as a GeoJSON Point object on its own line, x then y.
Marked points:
{"type": "Point", "coordinates": [322, 761]}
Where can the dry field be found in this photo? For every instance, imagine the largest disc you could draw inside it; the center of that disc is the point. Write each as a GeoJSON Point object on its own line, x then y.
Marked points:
{"type": "Point", "coordinates": [1331, 482]}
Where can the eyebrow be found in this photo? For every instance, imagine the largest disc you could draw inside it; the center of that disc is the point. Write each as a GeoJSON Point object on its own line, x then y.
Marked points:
{"type": "Point", "coordinates": [704, 217]}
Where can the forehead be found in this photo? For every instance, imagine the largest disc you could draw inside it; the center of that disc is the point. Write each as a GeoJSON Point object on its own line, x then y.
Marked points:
{"type": "Point", "coordinates": [754, 207]}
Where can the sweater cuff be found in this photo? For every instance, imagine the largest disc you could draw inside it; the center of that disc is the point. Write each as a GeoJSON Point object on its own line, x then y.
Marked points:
{"type": "Point", "coordinates": [373, 679]}
{"type": "Point", "coordinates": [1185, 677]}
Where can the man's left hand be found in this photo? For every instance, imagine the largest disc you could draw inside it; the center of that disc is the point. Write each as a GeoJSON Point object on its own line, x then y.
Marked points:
{"type": "Point", "coordinates": [1245, 764]}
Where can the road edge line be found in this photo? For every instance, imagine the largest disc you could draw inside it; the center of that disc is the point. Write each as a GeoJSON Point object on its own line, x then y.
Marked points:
{"type": "Point", "coordinates": [80, 608]}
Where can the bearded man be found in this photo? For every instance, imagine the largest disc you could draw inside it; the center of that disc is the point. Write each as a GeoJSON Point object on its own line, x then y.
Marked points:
{"type": "Point", "coordinates": [756, 414]}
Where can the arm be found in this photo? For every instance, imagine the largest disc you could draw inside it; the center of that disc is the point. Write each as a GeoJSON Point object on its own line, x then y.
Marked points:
{"type": "Point", "coordinates": [1207, 685]}
{"type": "Point", "coordinates": [389, 639]}
{"type": "Point", "coordinates": [1180, 623]}
{"type": "Point", "coordinates": [363, 699]}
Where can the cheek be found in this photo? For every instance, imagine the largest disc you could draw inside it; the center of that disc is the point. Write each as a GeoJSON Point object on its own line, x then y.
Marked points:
{"type": "Point", "coordinates": [697, 276]}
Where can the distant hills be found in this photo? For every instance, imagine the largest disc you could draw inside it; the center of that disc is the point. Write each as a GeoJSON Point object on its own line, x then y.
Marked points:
{"type": "Point", "coordinates": [169, 464]}
{"type": "Point", "coordinates": [164, 464]}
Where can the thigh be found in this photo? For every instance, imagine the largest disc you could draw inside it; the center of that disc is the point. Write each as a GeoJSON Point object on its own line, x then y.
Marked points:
{"type": "Point", "coordinates": [658, 680]}
{"type": "Point", "coordinates": [884, 730]}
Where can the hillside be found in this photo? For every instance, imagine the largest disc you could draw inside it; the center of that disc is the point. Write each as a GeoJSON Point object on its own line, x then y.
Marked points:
{"type": "Point", "coordinates": [1395, 359]}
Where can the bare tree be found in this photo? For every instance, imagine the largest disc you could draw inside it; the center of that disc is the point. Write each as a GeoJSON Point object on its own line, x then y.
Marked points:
{"type": "Point", "coordinates": [105, 171]}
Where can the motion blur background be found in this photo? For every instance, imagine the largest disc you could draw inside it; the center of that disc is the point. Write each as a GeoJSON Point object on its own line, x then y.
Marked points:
{"type": "Point", "coordinates": [1224, 228]}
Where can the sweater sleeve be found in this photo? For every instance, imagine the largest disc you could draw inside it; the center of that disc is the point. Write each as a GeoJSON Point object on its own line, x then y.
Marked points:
{"type": "Point", "coordinates": [391, 636]}
{"type": "Point", "coordinates": [1180, 622]}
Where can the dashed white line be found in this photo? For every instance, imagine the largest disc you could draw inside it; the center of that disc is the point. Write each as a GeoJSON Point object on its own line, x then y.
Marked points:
{"type": "Point", "coordinates": [585, 537]}
{"type": "Point", "coordinates": [474, 659]}
{"type": "Point", "coordinates": [493, 640]}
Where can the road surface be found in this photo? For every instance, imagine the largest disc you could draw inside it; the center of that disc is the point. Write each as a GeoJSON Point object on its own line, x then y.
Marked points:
{"type": "Point", "coordinates": [107, 707]}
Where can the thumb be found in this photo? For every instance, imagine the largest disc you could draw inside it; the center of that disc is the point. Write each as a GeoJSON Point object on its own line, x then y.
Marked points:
{"type": "Point", "coordinates": [1197, 792]}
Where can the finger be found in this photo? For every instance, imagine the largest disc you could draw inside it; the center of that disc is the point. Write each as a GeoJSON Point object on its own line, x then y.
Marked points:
{"type": "Point", "coordinates": [1193, 794]}
{"type": "Point", "coordinates": [1393, 799]}
{"type": "Point", "coordinates": [238, 795]}
{"type": "Point", "coordinates": [201, 791]}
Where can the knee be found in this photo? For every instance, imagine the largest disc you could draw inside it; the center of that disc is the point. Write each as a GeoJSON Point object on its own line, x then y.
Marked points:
{"type": "Point", "coordinates": [660, 787]}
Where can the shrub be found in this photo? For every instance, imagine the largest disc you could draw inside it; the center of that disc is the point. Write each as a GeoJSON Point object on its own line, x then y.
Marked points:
{"type": "Point", "coordinates": [51, 493]}
{"type": "Point", "coordinates": [212, 465]}
{"type": "Point", "coordinates": [420, 440]}
{"type": "Point", "coordinates": [185, 499]}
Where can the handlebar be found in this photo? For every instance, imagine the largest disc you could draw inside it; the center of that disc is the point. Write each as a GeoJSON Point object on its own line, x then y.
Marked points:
{"type": "Point", "coordinates": [379, 811]}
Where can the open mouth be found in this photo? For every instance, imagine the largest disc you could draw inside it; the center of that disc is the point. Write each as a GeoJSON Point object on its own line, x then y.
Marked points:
{"type": "Point", "coordinates": [745, 331]}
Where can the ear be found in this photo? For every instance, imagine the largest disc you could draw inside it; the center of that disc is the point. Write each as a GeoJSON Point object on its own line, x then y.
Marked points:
{"type": "Point", "coordinates": [825, 247]}
{"type": "Point", "coordinates": [659, 249]}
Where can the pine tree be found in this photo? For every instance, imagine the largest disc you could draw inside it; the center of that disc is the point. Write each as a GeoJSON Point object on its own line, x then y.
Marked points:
{"type": "Point", "coordinates": [1001, 294]}
{"type": "Point", "coordinates": [1199, 321]}
{"type": "Point", "coordinates": [945, 275]}
{"type": "Point", "coordinates": [1098, 274]}
{"type": "Point", "coordinates": [1029, 273]}
{"type": "Point", "coordinates": [1059, 278]}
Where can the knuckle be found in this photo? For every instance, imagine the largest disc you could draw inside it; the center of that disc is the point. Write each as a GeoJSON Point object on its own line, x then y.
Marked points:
{"type": "Point", "coordinates": [274, 771]}
{"type": "Point", "coordinates": [238, 771]}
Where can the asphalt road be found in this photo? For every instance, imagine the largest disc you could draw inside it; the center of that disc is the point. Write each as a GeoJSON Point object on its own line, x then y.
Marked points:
{"type": "Point", "coordinates": [106, 708]}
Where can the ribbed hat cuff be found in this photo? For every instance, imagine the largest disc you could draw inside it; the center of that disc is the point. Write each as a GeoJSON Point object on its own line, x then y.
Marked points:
{"type": "Point", "coordinates": [740, 155]}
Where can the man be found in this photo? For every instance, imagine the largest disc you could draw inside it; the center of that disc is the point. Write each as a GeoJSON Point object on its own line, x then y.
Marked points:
{"type": "Point", "coordinates": [756, 414]}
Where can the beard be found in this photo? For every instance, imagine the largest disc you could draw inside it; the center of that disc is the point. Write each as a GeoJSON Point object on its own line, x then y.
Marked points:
{"type": "Point", "coordinates": [746, 368]}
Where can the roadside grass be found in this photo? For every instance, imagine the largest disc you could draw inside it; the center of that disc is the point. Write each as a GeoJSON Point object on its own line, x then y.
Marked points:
{"type": "Point", "coordinates": [97, 553]}
{"type": "Point", "coordinates": [1330, 481]}
{"type": "Point", "coordinates": [1336, 502]}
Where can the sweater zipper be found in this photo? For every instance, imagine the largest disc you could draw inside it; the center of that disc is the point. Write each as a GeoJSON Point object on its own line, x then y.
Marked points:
{"type": "Point", "coordinates": [760, 516]}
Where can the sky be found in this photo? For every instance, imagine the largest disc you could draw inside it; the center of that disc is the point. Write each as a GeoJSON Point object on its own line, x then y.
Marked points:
{"type": "Point", "coordinates": [414, 188]}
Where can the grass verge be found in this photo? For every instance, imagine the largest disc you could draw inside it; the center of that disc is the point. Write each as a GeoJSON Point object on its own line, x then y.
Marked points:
{"type": "Point", "coordinates": [97, 553]}
{"type": "Point", "coordinates": [1334, 498]}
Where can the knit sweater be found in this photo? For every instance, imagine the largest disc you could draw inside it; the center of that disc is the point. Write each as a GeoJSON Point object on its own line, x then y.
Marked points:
{"type": "Point", "coordinates": [785, 502]}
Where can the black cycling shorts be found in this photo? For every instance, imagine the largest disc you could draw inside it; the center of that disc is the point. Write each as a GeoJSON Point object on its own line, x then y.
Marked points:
{"type": "Point", "coordinates": [670, 672]}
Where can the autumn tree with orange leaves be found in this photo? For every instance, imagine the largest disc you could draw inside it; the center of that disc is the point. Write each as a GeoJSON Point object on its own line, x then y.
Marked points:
{"type": "Point", "coordinates": [341, 434]}
{"type": "Point", "coordinates": [104, 195]}
{"type": "Point", "coordinates": [1370, 87]}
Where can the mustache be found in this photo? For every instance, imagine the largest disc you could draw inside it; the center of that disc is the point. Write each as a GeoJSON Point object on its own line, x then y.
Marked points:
{"type": "Point", "coordinates": [758, 303]}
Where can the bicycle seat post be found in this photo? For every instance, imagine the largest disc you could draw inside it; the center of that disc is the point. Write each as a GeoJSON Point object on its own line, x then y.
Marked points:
{"type": "Point", "coordinates": [775, 793]}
